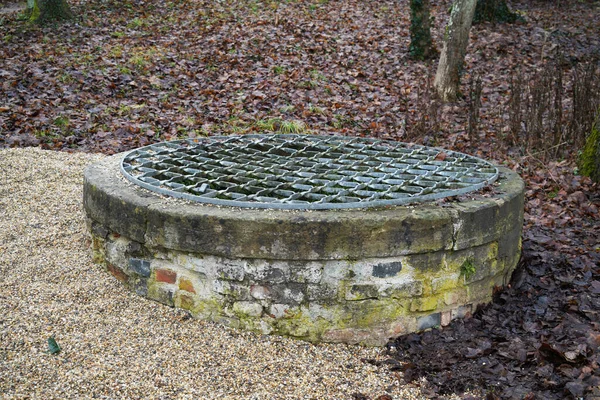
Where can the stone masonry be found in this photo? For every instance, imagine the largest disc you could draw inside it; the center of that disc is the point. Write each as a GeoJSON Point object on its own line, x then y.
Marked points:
{"type": "Point", "coordinates": [353, 276]}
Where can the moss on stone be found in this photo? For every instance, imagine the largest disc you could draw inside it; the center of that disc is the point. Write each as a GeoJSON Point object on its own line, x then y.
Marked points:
{"type": "Point", "coordinates": [467, 268]}
{"type": "Point", "coordinates": [589, 160]}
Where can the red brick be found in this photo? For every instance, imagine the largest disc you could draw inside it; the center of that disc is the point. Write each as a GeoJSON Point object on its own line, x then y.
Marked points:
{"type": "Point", "coordinates": [117, 272]}
{"type": "Point", "coordinates": [166, 276]}
{"type": "Point", "coordinates": [187, 285]}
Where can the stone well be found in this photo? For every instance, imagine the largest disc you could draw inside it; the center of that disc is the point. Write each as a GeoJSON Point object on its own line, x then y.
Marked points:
{"type": "Point", "coordinates": [360, 273]}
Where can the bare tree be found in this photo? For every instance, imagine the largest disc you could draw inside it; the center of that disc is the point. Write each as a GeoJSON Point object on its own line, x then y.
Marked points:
{"type": "Point", "coordinates": [456, 38]}
{"type": "Point", "coordinates": [494, 11]}
{"type": "Point", "coordinates": [421, 44]}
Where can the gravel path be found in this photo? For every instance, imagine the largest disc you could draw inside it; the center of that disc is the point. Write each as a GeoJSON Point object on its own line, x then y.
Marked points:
{"type": "Point", "coordinates": [118, 345]}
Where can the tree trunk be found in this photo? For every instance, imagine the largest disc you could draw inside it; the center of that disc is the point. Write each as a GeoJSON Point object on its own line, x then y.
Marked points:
{"type": "Point", "coordinates": [50, 10]}
{"type": "Point", "coordinates": [456, 38]}
{"type": "Point", "coordinates": [421, 45]}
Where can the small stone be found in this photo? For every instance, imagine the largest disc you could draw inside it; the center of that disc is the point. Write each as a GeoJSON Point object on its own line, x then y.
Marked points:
{"type": "Point", "coordinates": [446, 318]}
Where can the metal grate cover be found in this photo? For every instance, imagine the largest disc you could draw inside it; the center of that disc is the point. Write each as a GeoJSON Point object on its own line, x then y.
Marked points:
{"type": "Point", "coordinates": [303, 171]}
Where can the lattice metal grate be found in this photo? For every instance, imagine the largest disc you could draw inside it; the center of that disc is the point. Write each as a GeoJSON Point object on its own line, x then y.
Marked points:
{"type": "Point", "coordinates": [303, 171]}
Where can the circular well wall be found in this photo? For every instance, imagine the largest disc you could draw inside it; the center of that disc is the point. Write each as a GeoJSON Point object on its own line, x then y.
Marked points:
{"type": "Point", "coordinates": [344, 275]}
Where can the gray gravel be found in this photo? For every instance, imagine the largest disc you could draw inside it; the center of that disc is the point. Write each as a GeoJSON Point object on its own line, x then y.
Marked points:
{"type": "Point", "coordinates": [116, 344]}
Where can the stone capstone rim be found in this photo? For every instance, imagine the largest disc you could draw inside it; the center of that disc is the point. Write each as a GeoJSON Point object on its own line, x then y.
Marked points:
{"type": "Point", "coordinates": [164, 222]}
{"type": "Point", "coordinates": [277, 171]}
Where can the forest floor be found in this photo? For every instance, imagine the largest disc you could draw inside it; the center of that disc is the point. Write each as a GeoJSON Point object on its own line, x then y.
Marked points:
{"type": "Point", "coordinates": [128, 73]}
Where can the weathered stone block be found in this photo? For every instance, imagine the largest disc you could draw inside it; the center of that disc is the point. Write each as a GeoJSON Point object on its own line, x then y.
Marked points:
{"type": "Point", "coordinates": [477, 223]}
{"type": "Point", "coordinates": [260, 292]}
{"type": "Point", "coordinates": [509, 247]}
{"type": "Point", "coordinates": [115, 250]}
{"type": "Point", "coordinates": [483, 221]}
{"type": "Point", "coordinates": [290, 293]}
{"type": "Point", "coordinates": [402, 290]}
{"type": "Point", "coordinates": [262, 271]}
{"type": "Point", "coordinates": [320, 312]}
{"type": "Point", "coordinates": [114, 204]}
{"type": "Point", "coordinates": [482, 258]}
{"type": "Point", "coordinates": [306, 272]}
{"type": "Point", "coordinates": [455, 297]}
{"type": "Point", "coordinates": [429, 321]}
{"type": "Point", "coordinates": [293, 327]}
{"type": "Point", "coordinates": [140, 267]}
{"type": "Point", "coordinates": [282, 311]}
{"type": "Point", "coordinates": [187, 285]}
{"type": "Point", "coordinates": [161, 294]}
{"type": "Point", "coordinates": [187, 302]}
{"type": "Point", "coordinates": [480, 292]}
{"type": "Point", "coordinates": [386, 270]}
{"type": "Point", "coordinates": [424, 304]}
{"type": "Point", "coordinates": [233, 271]}
{"type": "Point", "coordinates": [445, 283]}
{"type": "Point", "coordinates": [427, 262]}
{"type": "Point", "coordinates": [139, 285]}
{"type": "Point", "coordinates": [232, 289]}
{"type": "Point", "coordinates": [117, 272]}
{"type": "Point", "coordinates": [462, 311]}
{"type": "Point", "coordinates": [135, 249]}
{"type": "Point", "coordinates": [335, 271]}
{"type": "Point", "coordinates": [321, 292]}
{"type": "Point", "coordinates": [99, 230]}
{"type": "Point", "coordinates": [248, 308]}
{"type": "Point", "coordinates": [362, 292]}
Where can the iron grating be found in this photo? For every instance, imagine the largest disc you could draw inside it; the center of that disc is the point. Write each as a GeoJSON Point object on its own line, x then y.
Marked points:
{"type": "Point", "coordinates": [304, 171]}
